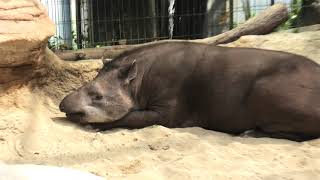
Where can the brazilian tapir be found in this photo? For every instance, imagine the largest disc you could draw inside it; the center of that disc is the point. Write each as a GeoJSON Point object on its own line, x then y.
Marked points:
{"type": "Point", "coordinates": [183, 84]}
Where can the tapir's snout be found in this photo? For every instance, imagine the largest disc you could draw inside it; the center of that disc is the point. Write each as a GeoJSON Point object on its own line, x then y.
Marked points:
{"type": "Point", "coordinates": [69, 106]}
{"type": "Point", "coordinates": [62, 107]}
{"type": "Point", "coordinates": [70, 103]}
{"type": "Point", "coordinates": [97, 102]}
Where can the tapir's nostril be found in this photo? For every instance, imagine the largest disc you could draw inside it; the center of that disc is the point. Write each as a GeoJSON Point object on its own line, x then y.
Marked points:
{"type": "Point", "coordinates": [75, 116]}
{"type": "Point", "coordinates": [61, 107]}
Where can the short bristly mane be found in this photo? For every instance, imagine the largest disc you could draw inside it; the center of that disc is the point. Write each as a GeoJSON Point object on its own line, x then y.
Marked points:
{"type": "Point", "coordinates": [118, 60]}
{"type": "Point", "coordinates": [122, 59]}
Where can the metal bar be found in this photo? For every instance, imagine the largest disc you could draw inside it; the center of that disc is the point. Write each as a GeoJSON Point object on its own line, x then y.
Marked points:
{"type": "Point", "coordinates": [138, 24]}
{"type": "Point", "coordinates": [112, 21]}
{"type": "Point", "coordinates": [91, 24]}
{"type": "Point", "coordinates": [153, 19]}
{"type": "Point", "coordinates": [57, 24]}
{"type": "Point", "coordinates": [144, 14]}
{"type": "Point", "coordinates": [231, 14]}
{"type": "Point", "coordinates": [98, 20]}
{"type": "Point", "coordinates": [78, 23]}
{"type": "Point", "coordinates": [105, 23]}
{"type": "Point", "coordinates": [195, 18]}
{"type": "Point", "coordinates": [121, 21]}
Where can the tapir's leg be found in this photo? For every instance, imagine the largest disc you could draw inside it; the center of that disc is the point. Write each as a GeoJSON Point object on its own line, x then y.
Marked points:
{"type": "Point", "coordinates": [259, 133]}
{"type": "Point", "coordinates": [287, 104]}
{"type": "Point", "coordinates": [133, 120]}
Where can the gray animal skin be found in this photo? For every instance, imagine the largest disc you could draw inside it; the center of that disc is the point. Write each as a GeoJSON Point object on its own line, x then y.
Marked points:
{"type": "Point", "coordinates": [184, 84]}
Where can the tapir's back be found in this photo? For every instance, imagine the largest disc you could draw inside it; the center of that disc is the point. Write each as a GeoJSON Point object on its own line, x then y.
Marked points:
{"type": "Point", "coordinates": [211, 84]}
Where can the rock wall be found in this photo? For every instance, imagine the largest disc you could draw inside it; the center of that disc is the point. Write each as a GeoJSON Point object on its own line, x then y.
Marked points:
{"type": "Point", "coordinates": [24, 30]}
{"type": "Point", "coordinates": [305, 43]}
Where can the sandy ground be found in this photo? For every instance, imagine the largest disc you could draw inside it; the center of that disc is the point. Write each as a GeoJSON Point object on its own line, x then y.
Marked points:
{"type": "Point", "coordinates": [32, 130]}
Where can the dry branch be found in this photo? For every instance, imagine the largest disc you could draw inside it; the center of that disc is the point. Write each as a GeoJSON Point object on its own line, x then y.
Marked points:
{"type": "Point", "coordinates": [263, 23]}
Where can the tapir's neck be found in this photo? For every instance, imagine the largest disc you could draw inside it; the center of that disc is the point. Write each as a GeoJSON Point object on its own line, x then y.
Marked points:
{"type": "Point", "coordinates": [139, 99]}
{"type": "Point", "coordinates": [135, 86]}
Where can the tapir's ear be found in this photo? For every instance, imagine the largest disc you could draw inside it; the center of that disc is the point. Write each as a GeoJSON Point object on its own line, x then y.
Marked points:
{"type": "Point", "coordinates": [129, 72]}
{"type": "Point", "coordinates": [104, 60]}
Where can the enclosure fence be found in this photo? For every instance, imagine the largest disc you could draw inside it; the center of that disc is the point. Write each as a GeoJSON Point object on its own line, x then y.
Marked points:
{"type": "Point", "coordinates": [94, 23]}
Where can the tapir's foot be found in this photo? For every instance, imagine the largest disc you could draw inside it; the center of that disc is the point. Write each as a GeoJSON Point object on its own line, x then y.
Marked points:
{"type": "Point", "coordinates": [278, 135]}
{"type": "Point", "coordinates": [253, 133]}
{"type": "Point", "coordinates": [292, 137]}
{"type": "Point", "coordinates": [103, 126]}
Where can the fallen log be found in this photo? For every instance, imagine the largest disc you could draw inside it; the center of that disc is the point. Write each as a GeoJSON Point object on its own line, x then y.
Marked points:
{"type": "Point", "coordinates": [93, 53]}
{"type": "Point", "coordinates": [263, 23]}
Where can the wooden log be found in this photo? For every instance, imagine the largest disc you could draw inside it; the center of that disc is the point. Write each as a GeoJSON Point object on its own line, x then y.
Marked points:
{"type": "Point", "coordinates": [93, 53]}
{"type": "Point", "coordinates": [263, 23]}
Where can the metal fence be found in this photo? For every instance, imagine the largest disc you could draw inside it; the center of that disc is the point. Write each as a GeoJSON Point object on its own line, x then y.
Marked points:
{"type": "Point", "coordinates": [95, 23]}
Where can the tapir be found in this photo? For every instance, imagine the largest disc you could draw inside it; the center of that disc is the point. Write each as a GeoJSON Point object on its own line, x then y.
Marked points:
{"type": "Point", "coordinates": [238, 91]}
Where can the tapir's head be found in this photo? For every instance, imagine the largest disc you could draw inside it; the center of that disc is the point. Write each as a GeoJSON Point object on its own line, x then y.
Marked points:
{"type": "Point", "coordinates": [105, 99]}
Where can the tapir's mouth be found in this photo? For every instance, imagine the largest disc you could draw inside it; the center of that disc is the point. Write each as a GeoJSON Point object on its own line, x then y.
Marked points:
{"type": "Point", "coordinates": [76, 117]}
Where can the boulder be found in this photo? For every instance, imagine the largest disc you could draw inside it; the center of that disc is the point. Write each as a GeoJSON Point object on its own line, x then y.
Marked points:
{"type": "Point", "coordinates": [315, 27]}
{"type": "Point", "coordinates": [305, 43]}
{"type": "Point", "coordinates": [24, 30]}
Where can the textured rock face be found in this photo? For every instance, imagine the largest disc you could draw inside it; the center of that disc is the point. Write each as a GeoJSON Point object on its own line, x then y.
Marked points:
{"type": "Point", "coordinates": [24, 31]}
{"type": "Point", "coordinates": [305, 44]}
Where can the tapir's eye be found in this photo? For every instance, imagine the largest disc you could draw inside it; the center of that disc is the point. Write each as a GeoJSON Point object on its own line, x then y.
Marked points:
{"type": "Point", "coordinates": [98, 97]}
{"type": "Point", "coordinates": [95, 96]}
